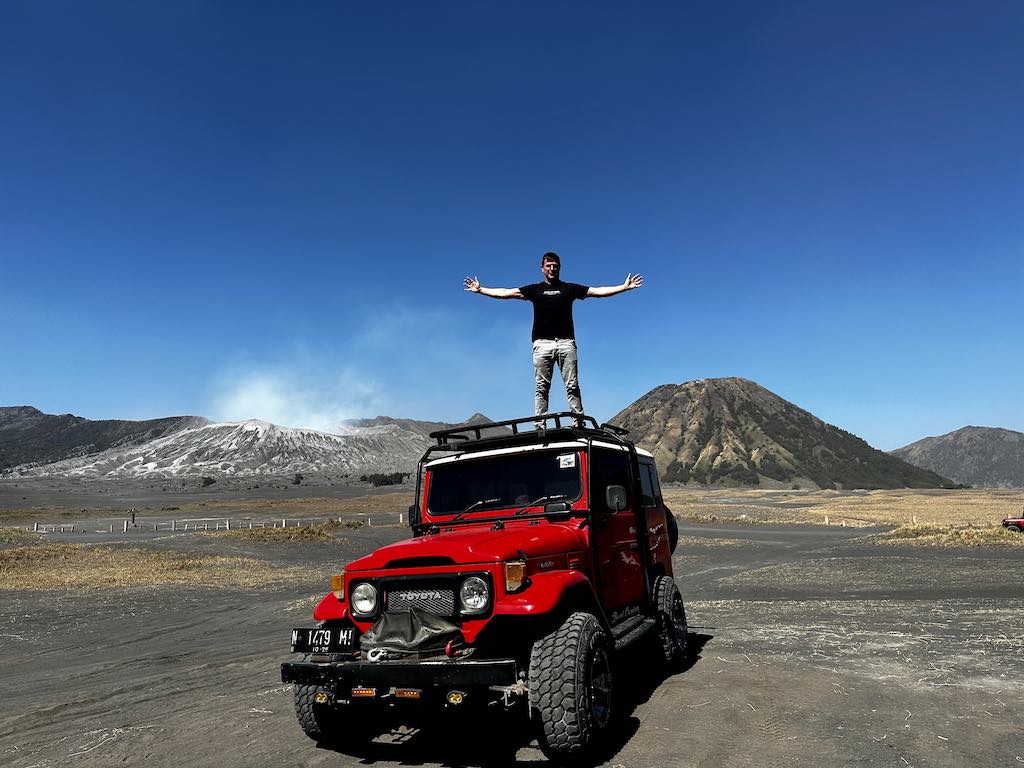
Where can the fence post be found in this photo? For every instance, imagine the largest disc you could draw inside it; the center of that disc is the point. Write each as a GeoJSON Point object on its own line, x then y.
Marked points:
{"type": "Point", "coordinates": [174, 525]}
{"type": "Point", "coordinates": [227, 524]}
{"type": "Point", "coordinates": [35, 527]}
{"type": "Point", "coordinates": [284, 522]}
{"type": "Point", "coordinates": [250, 525]}
{"type": "Point", "coordinates": [125, 526]}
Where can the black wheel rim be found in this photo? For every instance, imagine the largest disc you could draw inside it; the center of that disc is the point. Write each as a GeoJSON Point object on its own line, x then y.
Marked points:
{"type": "Point", "coordinates": [600, 688]}
{"type": "Point", "coordinates": [678, 620]}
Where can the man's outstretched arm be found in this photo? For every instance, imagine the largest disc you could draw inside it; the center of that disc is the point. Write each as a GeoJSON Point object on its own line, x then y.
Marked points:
{"type": "Point", "coordinates": [473, 286]}
{"type": "Point", "coordinates": [632, 281]}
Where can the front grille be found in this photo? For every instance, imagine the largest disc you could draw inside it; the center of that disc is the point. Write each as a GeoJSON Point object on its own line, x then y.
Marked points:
{"type": "Point", "coordinates": [440, 602]}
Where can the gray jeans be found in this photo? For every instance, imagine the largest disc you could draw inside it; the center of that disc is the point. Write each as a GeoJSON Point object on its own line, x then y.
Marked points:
{"type": "Point", "coordinates": [547, 352]}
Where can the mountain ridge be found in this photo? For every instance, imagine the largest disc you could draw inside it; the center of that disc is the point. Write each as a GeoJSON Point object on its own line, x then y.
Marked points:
{"type": "Point", "coordinates": [986, 457]}
{"type": "Point", "coordinates": [180, 446]}
{"type": "Point", "coordinates": [29, 436]}
{"type": "Point", "coordinates": [732, 431]}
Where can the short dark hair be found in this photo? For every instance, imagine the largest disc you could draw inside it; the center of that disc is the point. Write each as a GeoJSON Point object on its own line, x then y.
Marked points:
{"type": "Point", "coordinates": [551, 256]}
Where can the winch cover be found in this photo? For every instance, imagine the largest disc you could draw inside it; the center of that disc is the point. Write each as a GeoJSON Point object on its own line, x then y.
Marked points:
{"type": "Point", "coordinates": [410, 631]}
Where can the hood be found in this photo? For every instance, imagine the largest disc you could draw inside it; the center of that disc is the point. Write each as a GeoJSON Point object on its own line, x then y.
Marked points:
{"type": "Point", "coordinates": [476, 544]}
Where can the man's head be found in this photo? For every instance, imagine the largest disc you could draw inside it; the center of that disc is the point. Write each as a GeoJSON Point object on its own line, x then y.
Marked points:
{"type": "Point", "coordinates": [550, 265]}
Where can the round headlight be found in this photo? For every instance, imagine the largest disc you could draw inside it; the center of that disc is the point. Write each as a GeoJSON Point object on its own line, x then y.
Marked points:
{"type": "Point", "coordinates": [364, 598]}
{"type": "Point", "coordinates": [473, 595]}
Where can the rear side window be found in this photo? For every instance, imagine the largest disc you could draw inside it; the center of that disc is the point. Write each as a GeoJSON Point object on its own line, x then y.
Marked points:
{"type": "Point", "coordinates": [647, 480]}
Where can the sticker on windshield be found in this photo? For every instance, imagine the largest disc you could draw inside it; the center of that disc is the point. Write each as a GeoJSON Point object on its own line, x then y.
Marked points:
{"type": "Point", "coordinates": [567, 461]}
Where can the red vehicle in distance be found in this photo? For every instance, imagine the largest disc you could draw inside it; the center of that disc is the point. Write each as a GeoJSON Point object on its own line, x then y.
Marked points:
{"type": "Point", "coordinates": [1014, 522]}
{"type": "Point", "coordinates": [536, 556]}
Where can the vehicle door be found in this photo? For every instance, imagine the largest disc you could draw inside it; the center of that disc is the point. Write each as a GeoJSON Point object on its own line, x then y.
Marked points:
{"type": "Point", "coordinates": [654, 517]}
{"type": "Point", "coordinates": [617, 550]}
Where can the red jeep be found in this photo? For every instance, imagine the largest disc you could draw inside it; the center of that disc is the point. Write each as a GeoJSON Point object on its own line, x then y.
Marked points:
{"type": "Point", "coordinates": [536, 556]}
{"type": "Point", "coordinates": [1014, 522]}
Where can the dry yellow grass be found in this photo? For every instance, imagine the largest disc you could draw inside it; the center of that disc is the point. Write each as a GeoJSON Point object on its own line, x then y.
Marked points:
{"type": "Point", "coordinates": [697, 541]}
{"type": "Point", "coordinates": [314, 533]}
{"type": "Point", "coordinates": [17, 536]}
{"type": "Point", "coordinates": [979, 508]}
{"type": "Point", "coordinates": [80, 566]}
{"type": "Point", "coordinates": [952, 536]}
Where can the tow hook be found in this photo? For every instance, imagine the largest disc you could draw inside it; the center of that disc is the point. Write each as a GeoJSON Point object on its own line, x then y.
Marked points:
{"type": "Point", "coordinates": [509, 693]}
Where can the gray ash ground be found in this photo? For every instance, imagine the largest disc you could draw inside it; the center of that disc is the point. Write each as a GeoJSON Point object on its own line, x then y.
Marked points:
{"type": "Point", "coordinates": [812, 646]}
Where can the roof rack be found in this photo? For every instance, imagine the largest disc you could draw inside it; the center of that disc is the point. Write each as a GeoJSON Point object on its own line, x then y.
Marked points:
{"type": "Point", "coordinates": [578, 424]}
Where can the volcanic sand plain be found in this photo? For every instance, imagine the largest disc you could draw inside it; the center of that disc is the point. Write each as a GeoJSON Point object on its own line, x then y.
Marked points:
{"type": "Point", "coordinates": [810, 644]}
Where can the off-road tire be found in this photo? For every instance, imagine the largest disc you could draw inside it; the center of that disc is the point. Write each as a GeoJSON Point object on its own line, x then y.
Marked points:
{"type": "Point", "coordinates": [672, 628]}
{"type": "Point", "coordinates": [1014, 528]}
{"type": "Point", "coordinates": [321, 722]}
{"type": "Point", "coordinates": [571, 687]}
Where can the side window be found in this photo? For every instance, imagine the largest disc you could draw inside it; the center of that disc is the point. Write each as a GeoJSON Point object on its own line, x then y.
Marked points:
{"type": "Point", "coordinates": [655, 484]}
{"type": "Point", "coordinates": [609, 468]}
{"type": "Point", "coordinates": [647, 479]}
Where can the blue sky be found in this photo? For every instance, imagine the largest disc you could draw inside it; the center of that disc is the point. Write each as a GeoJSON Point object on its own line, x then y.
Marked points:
{"type": "Point", "coordinates": [267, 209]}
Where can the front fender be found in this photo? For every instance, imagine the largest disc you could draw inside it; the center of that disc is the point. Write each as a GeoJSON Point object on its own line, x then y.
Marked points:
{"type": "Point", "coordinates": [330, 608]}
{"type": "Point", "coordinates": [547, 591]}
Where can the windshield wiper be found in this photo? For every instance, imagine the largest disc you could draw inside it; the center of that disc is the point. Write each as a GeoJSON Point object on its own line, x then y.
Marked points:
{"type": "Point", "coordinates": [474, 505]}
{"type": "Point", "coordinates": [541, 500]}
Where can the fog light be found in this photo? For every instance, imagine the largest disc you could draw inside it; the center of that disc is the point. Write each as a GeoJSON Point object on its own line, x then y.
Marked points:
{"type": "Point", "coordinates": [455, 697]}
{"type": "Point", "coordinates": [321, 697]}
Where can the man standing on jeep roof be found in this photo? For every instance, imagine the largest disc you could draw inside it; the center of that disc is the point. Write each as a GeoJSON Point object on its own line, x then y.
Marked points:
{"type": "Point", "coordinates": [554, 337]}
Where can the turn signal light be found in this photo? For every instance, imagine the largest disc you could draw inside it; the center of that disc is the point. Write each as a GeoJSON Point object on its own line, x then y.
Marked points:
{"type": "Point", "coordinates": [515, 575]}
{"type": "Point", "coordinates": [408, 693]}
{"type": "Point", "coordinates": [364, 693]}
{"type": "Point", "coordinates": [338, 585]}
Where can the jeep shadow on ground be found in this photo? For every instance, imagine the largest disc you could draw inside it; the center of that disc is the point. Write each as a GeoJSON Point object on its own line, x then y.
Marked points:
{"type": "Point", "coordinates": [489, 738]}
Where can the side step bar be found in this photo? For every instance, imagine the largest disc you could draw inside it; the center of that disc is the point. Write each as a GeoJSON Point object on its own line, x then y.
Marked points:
{"type": "Point", "coordinates": [632, 630]}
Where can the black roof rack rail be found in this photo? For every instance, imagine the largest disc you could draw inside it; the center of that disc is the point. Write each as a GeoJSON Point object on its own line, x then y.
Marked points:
{"type": "Point", "coordinates": [456, 438]}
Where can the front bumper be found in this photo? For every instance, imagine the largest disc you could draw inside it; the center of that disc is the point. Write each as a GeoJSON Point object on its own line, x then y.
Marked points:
{"type": "Point", "coordinates": [402, 674]}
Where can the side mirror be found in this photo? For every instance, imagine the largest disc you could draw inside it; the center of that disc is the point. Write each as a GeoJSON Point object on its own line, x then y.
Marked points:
{"type": "Point", "coordinates": [615, 497]}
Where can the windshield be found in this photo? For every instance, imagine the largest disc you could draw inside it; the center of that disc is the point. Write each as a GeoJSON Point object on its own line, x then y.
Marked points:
{"type": "Point", "coordinates": [497, 482]}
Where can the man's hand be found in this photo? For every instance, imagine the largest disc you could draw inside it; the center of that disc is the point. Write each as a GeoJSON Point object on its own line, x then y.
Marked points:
{"type": "Point", "coordinates": [633, 281]}
{"type": "Point", "coordinates": [472, 284]}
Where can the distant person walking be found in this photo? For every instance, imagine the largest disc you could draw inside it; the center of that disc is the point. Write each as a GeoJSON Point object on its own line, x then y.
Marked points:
{"type": "Point", "coordinates": [554, 336]}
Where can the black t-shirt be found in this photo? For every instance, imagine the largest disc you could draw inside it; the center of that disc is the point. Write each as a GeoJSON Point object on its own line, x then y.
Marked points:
{"type": "Point", "coordinates": [552, 308]}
